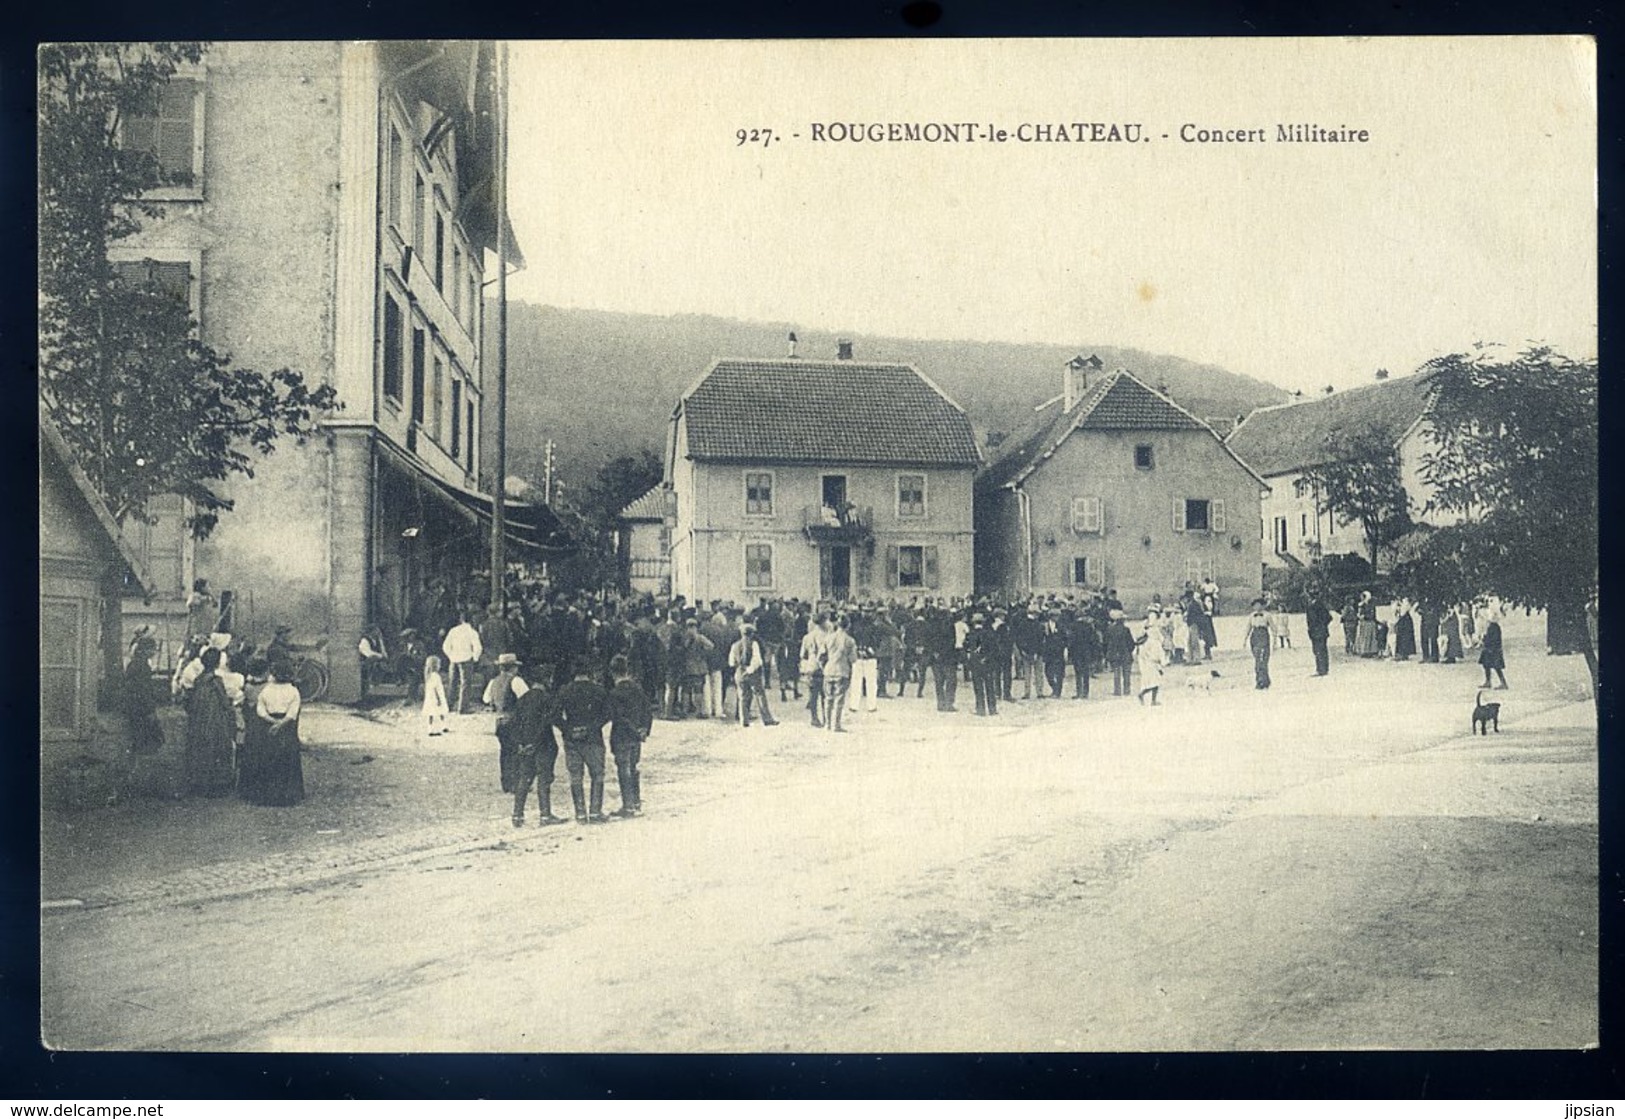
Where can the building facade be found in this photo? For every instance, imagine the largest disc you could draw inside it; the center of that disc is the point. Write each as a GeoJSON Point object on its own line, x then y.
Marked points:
{"type": "Point", "coordinates": [820, 480]}
{"type": "Point", "coordinates": [643, 545]}
{"type": "Point", "coordinates": [1115, 486]}
{"type": "Point", "coordinates": [337, 220]}
{"type": "Point", "coordinates": [1284, 442]}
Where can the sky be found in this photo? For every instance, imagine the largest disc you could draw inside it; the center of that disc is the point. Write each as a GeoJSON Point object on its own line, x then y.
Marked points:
{"type": "Point", "coordinates": [1468, 216]}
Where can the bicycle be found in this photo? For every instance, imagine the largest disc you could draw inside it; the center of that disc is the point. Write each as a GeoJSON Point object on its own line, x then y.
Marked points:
{"type": "Point", "coordinates": [310, 674]}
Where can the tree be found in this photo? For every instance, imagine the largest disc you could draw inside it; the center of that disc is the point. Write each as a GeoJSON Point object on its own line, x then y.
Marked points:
{"type": "Point", "coordinates": [1516, 455]}
{"type": "Point", "coordinates": [1359, 482]}
{"type": "Point", "coordinates": [593, 519]}
{"type": "Point", "coordinates": [147, 407]}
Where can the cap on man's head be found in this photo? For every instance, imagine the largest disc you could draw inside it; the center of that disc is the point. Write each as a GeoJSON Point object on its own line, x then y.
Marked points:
{"type": "Point", "coordinates": [508, 660]}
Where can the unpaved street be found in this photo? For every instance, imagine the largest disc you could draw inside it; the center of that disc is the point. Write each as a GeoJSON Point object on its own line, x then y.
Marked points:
{"type": "Point", "coordinates": [1334, 863]}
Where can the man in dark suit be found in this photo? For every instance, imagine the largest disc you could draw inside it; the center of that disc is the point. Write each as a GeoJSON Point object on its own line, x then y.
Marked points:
{"type": "Point", "coordinates": [1319, 624]}
{"type": "Point", "coordinates": [582, 724]}
{"type": "Point", "coordinates": [631, 718]}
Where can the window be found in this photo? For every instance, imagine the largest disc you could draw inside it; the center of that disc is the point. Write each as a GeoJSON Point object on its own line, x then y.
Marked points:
{"type": "Point", "coordinates": [758, 565]}
{"type": "Point", "coordinates": [1198, 514]}
{"type": "Point", "coordinates": [167, 130]}
{"type": "Point", "coordinates": [473, 301]}
{"type": "Point", "coordinates": [1086, 514]}
{"type": "Point", "coordinates": [418, 371]}
{"type": "Point", "coordinates": [468, 403]}
{"type": "Point", "coordinates": [392, 349]}
{"type": "Point", "coordinates": [437, 415]}
{"type": "Point", "coordinates": [910, 566]}
{"type": "Point", "coordinates": [759, 494]}
{"type": "Point", "coordinates": [456, 419]}
{"type": "Point", "coordinates": [419, 217]}
{"type": "Point", "coordinates": [393, 186]}
{"type": "Point", "coordinates": [1198, 570]}
{"type": "Point", "coordinates": [1303, 524]}
{"type": "Point", "coordinates": [171, 277]}
{"type": "Point", "coordinates": [457, 281]}
{"type": "Point", "coordinates": [1142, 457]}
{"type": "Point", "coordinates": [439, 250]}
{"type": "Point", "coordinates": [61, 680]}
{"type": "Point", "coordinates": [911, 495]}
{"type": "Point", "coordinates": [1280, 536]}
{"type": "Point", "coordinates": [1082, 572]}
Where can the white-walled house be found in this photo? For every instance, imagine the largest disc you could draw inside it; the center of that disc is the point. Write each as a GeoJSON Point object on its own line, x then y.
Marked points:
{"type": "Point", "coordinates": [1285, 441]}
{"type": "Point", "coordinates": [806, 479]}
{"type": "Point", "coordinates": [1115, 485]}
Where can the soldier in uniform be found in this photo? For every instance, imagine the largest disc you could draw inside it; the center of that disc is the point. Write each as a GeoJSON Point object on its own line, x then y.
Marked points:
{"type": "Point", "coordinates": [631, 718]}
{"type": "Point", "coordinates": [582, 723]}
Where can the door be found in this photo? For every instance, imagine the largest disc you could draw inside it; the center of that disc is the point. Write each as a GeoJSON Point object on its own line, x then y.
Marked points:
{"type": "Point", "coordinates": [835, 572]}
{"type": "Point", "coordinates": [834, 491]}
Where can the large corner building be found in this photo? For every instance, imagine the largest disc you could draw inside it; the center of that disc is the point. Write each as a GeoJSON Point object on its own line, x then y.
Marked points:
{"type": "Point", "coordinates": [337, 218]}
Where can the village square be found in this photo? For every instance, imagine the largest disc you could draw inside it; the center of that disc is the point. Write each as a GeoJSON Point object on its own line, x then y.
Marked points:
{"type": "Point", "coordinates": [424, 668]}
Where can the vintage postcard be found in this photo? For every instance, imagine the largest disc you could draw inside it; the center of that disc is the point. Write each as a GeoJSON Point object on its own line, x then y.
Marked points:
{"type": "Point", "coordinates": [1088, 545]}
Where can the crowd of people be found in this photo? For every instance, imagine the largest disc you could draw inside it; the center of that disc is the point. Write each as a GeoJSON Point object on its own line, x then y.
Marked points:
{"type": "Point", "coordinates": [587, 675]}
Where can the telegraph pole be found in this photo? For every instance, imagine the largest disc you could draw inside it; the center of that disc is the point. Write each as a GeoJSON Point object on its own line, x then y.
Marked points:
{"type": "Point", "coordinates": [499, 565]}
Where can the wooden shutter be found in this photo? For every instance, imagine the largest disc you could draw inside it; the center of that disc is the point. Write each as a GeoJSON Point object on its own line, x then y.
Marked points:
{"type": "Point", "coordinates": [1179, 514]}
{"type": "Point", "coordinates": [933, 578]}
{"type": "Point", "coordinates": [1092, 518]}
{"type": "Point", "coordinates": [1080, 513]}
{"type": "Point", "coordinates": [1215, 516]}
{"type": "Point", "coordinates": [891, 566]}
{"type": "Point", "coordinates": [1070, 576]}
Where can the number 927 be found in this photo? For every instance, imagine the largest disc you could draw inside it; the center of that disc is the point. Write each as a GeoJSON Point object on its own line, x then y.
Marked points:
{"type": "Point", "coordinates": [762, 136]}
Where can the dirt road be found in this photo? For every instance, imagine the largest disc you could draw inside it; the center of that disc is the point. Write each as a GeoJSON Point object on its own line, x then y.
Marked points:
{"type": "Point", "coordinates": [1333, 863]}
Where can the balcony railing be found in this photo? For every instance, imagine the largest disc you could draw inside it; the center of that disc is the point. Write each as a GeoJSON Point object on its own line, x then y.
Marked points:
{"type": "Point", "coordinates": [649, 567]}
{"type": "Point", "coordinates": [838, 524]}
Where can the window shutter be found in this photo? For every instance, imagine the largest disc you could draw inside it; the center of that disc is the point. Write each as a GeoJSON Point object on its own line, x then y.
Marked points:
{"type": "Point", "coordinates": [891, 566]}
{"type": "Point", "coordinates": [1093, 519]}
{"type": "Point", "coordinates": [1216, 515]}
{"type": "Point", "coordinates": [1207, 569]}
{"type": "Point", "coordinates": [1179, 514]}
{"type": "Point", "coordinates": [1069, 576]}
{"type": "Point", "coordinates": [933, 578]}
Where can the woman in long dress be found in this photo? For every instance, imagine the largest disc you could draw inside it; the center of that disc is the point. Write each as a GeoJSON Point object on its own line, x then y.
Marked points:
{"type": "Point", "coordinates": [1404, 634]}
{"type": "Point", "coordinates": [271, 772]}
{"type": "Point", "coordinates": [211, 732]}
{"type": "Point", "coordinates": [141, 700]}
{"type": "Point", "coordinates": [1451, 629]}
{"type": "Point", "coordinates": [1491, 656]}
{"type": "Point", "coordinates": [1365, 633]}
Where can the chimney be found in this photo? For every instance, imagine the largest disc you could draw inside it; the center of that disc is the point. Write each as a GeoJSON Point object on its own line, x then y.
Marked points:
{"type": "Point", "coordinates": [1328, 390]}
{"type": "Point", "coordinates": [1382, 374]}
{"type": "Point", "coordinates": [843, 349]}
{"type": "Point", "coordinates": [1074, 381]}
{"type": "Point", "coordinates": [792, 352]}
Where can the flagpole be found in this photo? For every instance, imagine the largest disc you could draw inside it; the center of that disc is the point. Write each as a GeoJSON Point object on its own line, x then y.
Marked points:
{"type": "Point", "coordinates": [500, 190]}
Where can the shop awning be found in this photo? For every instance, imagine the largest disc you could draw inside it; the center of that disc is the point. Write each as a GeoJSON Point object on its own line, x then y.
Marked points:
{"type": "Point", "coordinates": [530, 529]}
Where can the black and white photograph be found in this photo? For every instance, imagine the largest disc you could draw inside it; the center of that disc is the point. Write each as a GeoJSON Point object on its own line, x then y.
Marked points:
{"type": "Point", "coordinates": [1088, 545]}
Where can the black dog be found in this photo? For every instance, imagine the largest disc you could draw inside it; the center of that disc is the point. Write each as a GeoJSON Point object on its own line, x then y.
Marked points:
{"type": "Point", "coordinates": [1486, 715]}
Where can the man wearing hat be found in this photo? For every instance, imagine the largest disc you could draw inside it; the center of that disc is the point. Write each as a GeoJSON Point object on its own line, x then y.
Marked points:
{"type": "Point", "coordinates": [502, 694]}
{"type": "Point", "coordinates": [749, 666]}
{"type": "Point", "coordinates": [979, 658]}
{"type": "Point", "coordinates": [1119, 653]}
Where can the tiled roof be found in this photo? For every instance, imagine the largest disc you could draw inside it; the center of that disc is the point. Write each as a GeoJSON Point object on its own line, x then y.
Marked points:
{"type": "Point", "coordinates": [795, 410]}
{"type": "Point", "coordinates": [1292, 437]}
{"type": "Point", "coordinates": [650, 507]}
{"type": "Point", "coordinates": [1117, 402]}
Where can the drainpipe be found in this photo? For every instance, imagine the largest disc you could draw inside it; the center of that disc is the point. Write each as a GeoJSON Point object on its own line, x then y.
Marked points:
{"type": "Point", "coordinates": [1027, 534]}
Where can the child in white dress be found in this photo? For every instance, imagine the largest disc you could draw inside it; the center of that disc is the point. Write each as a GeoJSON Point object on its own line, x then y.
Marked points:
{"type": "Point", "coordinates": [435, 708]}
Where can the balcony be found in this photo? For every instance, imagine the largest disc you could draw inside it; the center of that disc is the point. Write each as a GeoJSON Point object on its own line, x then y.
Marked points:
{"type": "Point", "coordinates": [843, 524]}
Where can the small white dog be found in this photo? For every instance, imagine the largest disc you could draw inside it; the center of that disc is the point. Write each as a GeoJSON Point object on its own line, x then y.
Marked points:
{"type": "Point", "coordinates": [1202, 681]}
